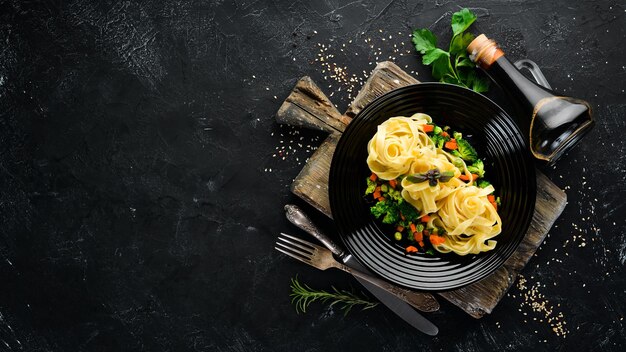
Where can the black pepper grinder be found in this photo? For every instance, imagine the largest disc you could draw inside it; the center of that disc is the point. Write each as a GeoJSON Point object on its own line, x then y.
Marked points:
{"type": "Point", "coordinates": [555, 123]}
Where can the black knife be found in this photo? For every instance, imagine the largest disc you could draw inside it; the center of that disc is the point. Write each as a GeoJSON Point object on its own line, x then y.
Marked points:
{"type": "Point", "coordinates": [297, 217]}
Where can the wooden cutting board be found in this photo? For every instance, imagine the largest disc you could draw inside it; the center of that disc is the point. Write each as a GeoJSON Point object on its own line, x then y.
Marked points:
{"type": "Point", "coordinates": [308, 106]}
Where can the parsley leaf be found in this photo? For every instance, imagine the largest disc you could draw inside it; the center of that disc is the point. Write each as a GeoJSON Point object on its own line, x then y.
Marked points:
{"type": "Point", "coordinates": [453, 66]}
{"type": "Point", "coordinates": [424, 40]}
{"type": "Point", "coordinates": [462, 20]}
{"type": "Point", "coordinates": [460, 42]}
{"type": "Point", "coordinates": [433, 55]}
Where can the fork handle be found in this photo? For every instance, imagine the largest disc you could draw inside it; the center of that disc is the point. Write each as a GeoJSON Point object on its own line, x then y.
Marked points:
{"type": "Point", "coordinates": [422, 301]}
{"type": "Point", "coordinates": [296, 216]}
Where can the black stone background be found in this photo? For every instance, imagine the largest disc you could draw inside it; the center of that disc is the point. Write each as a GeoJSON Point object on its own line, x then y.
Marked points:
{"type": "Point", "coordinates": [140, 196]}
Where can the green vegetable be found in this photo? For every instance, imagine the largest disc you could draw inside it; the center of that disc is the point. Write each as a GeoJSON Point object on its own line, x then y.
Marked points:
{"type": "Point", "coordinates": [439, 140]}
{"type": "Point", "coordinates": [477, 168]}
{"type": "Point", "coordinates": [465, 150]}
{"type": "Point", "coordinates": [483, 183]}
{"type": "Point", "coordinates": [452, 66]}
{"type": "Point", "coordinates": [371, 186]}
{"type": "Point", "coordinates": [398, 236]}
{"type": "Point", "coordinates": [409, 212]}
{"type": "Point", "coordinates": [437, 130]}
{"type": "Point", "coordinates": [384, 187]}
{"type": "Point", "coordinates": [395, 195]}
{"type": "Point", "coordinates": [302, 296]}
{"type": "Point", "coordinates": [386, 209]}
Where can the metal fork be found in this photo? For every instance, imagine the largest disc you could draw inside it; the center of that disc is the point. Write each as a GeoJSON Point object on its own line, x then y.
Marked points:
{"type": "Point", "coordinates": [322, 258]}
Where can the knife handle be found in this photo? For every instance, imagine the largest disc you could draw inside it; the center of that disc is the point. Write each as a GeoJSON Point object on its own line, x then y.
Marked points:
{"type": "Point", "coordinates": [297, 217]}
{"type": "Point", "coordinates": [424, 302]}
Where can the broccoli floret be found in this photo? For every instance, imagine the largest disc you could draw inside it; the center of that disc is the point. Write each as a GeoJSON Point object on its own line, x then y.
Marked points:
{"type": "Point", "coordinates": [408, 211]}
{"type": "Point", "coordinates": [457, 135]}
{"type": "Point", "coordinates": [437, 130]}
{"type": "Point", "coordinates": [388, 210]}
{"type": "Point", "coordinates": [439, 140]}
{"type": "Point", "coordinates": [483, 183]}
{"type": "Point", "coordinates": [379, 209]}
{"type": "Point", "coordinates": [466, 151]}
{"type": "Point", "coordinates": [477, 168]}
{"type": "Point", "coordinates": [371, 186]}
{"type": "Point", "coordinates": [395, 195]}
{"type": "Point", "coordinates": [391, 218]}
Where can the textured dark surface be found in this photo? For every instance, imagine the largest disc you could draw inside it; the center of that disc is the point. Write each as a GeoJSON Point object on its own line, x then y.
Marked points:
{"type": "Point", "coordinates": [141, 196]}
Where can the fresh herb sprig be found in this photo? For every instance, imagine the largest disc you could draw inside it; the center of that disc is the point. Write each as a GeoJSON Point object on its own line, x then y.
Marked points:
{"type": "Point", "coordinates": [302, 296]}
{"type": "Point", "coordinates": [452, 66]}
{"type": "Point", "coordinates": [433, 177]}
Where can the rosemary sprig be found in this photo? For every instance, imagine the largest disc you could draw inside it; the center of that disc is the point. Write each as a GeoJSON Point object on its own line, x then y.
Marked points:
{"type": "Point", "coordinates": [302, 296]}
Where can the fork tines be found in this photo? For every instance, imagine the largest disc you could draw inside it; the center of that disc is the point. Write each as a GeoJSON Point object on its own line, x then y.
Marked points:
{"type": "Point", "coordinates": [295, 247]}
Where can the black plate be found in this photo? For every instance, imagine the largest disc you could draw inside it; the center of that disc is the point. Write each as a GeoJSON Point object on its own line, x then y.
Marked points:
{"type": "Point", "coordinates": [508, 166]}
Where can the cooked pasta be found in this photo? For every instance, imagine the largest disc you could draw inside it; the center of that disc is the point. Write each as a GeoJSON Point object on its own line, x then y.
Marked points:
{"type": "Point", "coordinates": [470, 221]}
{"type": "Point", "coordinates": [401, 148]}
{"type": "Point", "coordinates": [391, 150]}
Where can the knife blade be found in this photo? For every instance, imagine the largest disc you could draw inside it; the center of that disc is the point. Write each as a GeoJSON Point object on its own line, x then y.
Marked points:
{"type": "Point", "coordinates": [297, 217]}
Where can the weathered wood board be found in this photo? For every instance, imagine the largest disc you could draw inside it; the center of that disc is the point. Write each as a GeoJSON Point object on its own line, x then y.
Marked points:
{"type": "Point", "coordinates": [307, 106]}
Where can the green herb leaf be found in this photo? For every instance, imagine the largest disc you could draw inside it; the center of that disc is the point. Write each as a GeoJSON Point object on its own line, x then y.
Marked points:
{"type": "Point", "coordinates": [460, 42]}
{"type": "Point", "coordinates": [446, 176]}
{"type": "Point", "coordinates": [417, 178]}
{"type": "Point", "coordinates": [466, 62]}
{"type": "Point", "coordinates": [453, 66]}
{"type": "Point", "coordinates": [462, 20]}
{"type": "Point", "coordinates": [480, 84]}
{"type": "Point", "coordinates": [433, 55]}
{"type": "Point", "coordinates": [424, 40]}
{"type": "Point", "coordinates": [442, 69]}
{"type": "Point", "coordinates": [302, 296]}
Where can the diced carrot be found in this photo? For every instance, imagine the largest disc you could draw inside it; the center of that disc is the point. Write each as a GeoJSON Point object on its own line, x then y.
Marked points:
{"type": "Point", "coordinates": [421, 243]}
{"type": "Point", "coordinates": [451, 144]}
{"type": "Point", "coordinates": [445, 134]}
{"type": "Point", "coordinates": [402, 216]}
{"type": "Point", "coordinates": [373, 177]}
{"type": "Point", "coordinates": [393, 183]}
{"type": "Point", "coordinates": [380, 199]}
{"type": "Point", "coordinates": [377, 194]}
{"type": "Point", "coordinates": [400, 228]}
{"type": "Point", "coordinates": [411, 249]}
{"type": "Point", "coordinates": [495, 205]}
{"type": "Point", "coordinates": [418, 236]}
{"type": "Point", "coordinates": [412, 226]}
{"type": "Point", "coordinates": [491, 198]}
{"type": "Point", "coordinates": [425, 218]}
{"type": "Point", "coordinates": [464, 177]}
{"type": "Point", "coordinates": [436, 240]}
{"type": "Point", "coordinates": [426, 233]}
{"type": "Point", "coordinates": [428, 128]}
